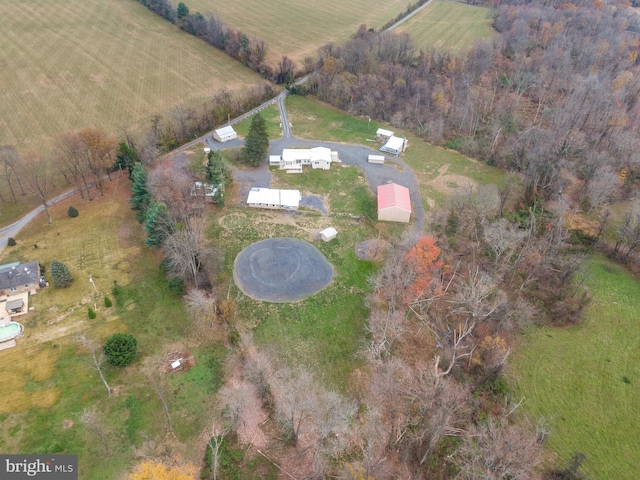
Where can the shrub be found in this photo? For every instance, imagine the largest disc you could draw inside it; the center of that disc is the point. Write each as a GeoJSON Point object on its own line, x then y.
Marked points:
{"type": "Point", "coordinates": [177, 286]}
{"type": "Point", "coordinates": [165, 265]}
{"type": "Point", "coordinates": [121, 349]}
{"type": "Point", "coordinates": [60, 274]}
{"type": "Point", "coordinates": [72, 212]}
{"type": "Point", "coordinates": [107, 302]}
{"type": "Point", "coordinates": [92, 314]}
{"type": "Point", "coordinates": [115, 289]}
{"type": "Point", "coordinates": [11, 242]}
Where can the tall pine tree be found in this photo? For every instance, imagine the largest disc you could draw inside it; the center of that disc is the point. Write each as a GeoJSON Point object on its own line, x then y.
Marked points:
{"type": "Point", "coordinates": [256, 145]}
{"type": "Point", "coordinates": [140, 196]}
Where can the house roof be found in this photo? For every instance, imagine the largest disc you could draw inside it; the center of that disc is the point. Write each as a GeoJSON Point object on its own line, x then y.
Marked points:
{"type": "Point", "coordinates": [311, 154]}
{"type": "Point", "coordinates": [393, 195]}
{"type": "Point", "coordinates": [269, 196]}
{"type": "Point", "coordinates": [225, 131]}
{"type": "Point", "coordinates": [290, 198]}
{"type": "Point", "coordinates": [394, 144]}
{"type": "Point", "coordinates": [22, 274]}
{"type": "Point", "coordinates": [384, 133]}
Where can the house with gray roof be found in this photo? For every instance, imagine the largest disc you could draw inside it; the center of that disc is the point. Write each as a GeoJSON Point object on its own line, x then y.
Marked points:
{"type": "Point", "coordinates": [19, 277]}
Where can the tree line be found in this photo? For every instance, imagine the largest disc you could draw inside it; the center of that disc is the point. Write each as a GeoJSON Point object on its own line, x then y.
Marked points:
{"type": "Point", "coordinates": [248, 50]}
{"type": "Point", "coordinates": [557, 88]}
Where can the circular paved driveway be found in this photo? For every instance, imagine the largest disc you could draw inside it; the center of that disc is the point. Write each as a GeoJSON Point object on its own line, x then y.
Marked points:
{"type": "Point", "coordinates": [281, 270]}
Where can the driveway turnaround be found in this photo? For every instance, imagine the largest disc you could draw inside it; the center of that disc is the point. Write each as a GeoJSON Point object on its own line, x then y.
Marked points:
{"type": "Point", "coordinates": [281, 270]}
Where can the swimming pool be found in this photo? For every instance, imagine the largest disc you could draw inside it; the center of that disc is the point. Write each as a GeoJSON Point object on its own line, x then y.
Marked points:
{"type": "Point", "coordinates": [10, 331]}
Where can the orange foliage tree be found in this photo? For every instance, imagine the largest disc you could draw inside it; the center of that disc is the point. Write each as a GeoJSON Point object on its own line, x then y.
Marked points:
{"type": "Point", "coordinates": [157, 470]}
{"type": "Point", "coordinates": [422, 262]}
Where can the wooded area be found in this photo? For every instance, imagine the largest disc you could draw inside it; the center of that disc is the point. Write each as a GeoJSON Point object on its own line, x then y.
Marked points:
{"type": "Point", "coordinates": [557, 88]}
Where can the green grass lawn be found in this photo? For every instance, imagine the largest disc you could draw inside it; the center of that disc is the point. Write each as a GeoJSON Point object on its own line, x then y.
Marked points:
{"type": "Point", "coordinates": [323, 332]}
{"type": "Point", "coordinates": [449, 26]}
{"type": "Point", "coordinates": [48, 380]}
{"type": "Point", "coordinates": [585, 380]}
{"type": "Point", "coordinates": [271, 115]}
{"type": "Point", "coordinates": [298, 28]}
{"type": "Point", "coordinates": [99, 63]}
{"type": "Point", "coordinates": [436, 168]}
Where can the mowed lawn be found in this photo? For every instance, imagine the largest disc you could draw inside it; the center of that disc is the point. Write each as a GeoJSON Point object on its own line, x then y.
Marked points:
{"type": "Point", "coordinates": [440, 172]}
{"type": "Point", "coordinates": [298, 28]}
{"type": "Point", "coordinates": [48, 380]}
{"type": "Point", "coordinates": [99, 63]}
{"type": "Point", "coordinates": [585, 380]}
{"type": "Point", "coordinates": [449, 26]}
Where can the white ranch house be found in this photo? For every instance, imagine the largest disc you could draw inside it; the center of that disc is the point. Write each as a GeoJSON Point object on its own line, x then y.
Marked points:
{"type": "Point", "coordinates": [225, 134]}
{"type": "Point", "coordinates": [274, 198]}
{"type": "Point", "coordinates": [293, 159]}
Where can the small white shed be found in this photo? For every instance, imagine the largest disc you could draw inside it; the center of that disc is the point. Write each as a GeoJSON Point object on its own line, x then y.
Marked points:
{"type": "Point", "coordinates": [383, 135]}
{"type": "Point", "coordinates": [225, 134]}
{"type": "Point", "coordinates": [376, 159]}
{"type": "Point", "coordinates": [395, 145]}
{"type": "Point", "coordinates": [328, 234]}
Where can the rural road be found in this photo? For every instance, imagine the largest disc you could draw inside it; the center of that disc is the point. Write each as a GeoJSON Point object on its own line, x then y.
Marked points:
{"type": "Point", "coordinates": [12, 230]}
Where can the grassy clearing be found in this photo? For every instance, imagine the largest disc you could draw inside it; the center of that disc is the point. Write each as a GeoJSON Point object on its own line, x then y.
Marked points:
{"type": "Point", "coordinates": [106, 64]}
{"type": "Point", "coordinates": [323, 332]}
{"type": "Point", "coordinates": [584, 380]}
{"type": "Point", "coordinates": [48, 380]}
{"type": "Point", "coordinates": [271, 116]}
{"type": "Point", "coordinates": [298, 29]}
{"type": "Point", "coordinates": [449, 26]}
{"type": "Point", "coordinates": [440, 172]}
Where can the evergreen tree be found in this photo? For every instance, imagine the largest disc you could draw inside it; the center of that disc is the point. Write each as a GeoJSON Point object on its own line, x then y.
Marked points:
{"type": "Point", "coordinates": [256, 145]}
{"type": "Point", "coordinates": [218, 174]}
{"type": "Point", "coordinates": [121, 349]}
{"type": "Point", "coordinates": [60, 274]}
{"type": "Point", "coordinates": [156, 223]}
{"type": "Point", "coordinates": [72, 212]}
{"type": "Point", "coordinates": [126, 158]}
{"type": "Point", "coordinates": [182, 10]}
{"type": "Point", "coordinates": [140, 196]}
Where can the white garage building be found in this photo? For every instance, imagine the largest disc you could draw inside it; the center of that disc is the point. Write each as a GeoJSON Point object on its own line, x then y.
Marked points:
{"type": "Point", "coordinates": [274, 198]}
{"type": "Point", "coordinates": [225, 134]}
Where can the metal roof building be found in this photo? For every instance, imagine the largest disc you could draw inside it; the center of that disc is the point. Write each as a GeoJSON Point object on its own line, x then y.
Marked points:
{"type": "Point", "coordinates": [225, 134]}
{"type": "Point", "coordinates": [394, 203]}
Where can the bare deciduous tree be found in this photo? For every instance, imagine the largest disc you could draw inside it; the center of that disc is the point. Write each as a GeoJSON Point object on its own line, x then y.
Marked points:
{"type": "Point", "coordinates": [10, 158]}
{"type": "Point", "coordinates": [156, 376]}
{"type": "Point", "coordinates": [92, 420]}
{"type": "Point", "coordinates": [186, 248]}
{"type": "Point", "coordinates": [498, 450]}
{"type": "Point", "coordinates": [38, 173]}
{"type": "Point", "coordinates": [601, 188]}
{"type": "Point", "coordinates": [96, 354]}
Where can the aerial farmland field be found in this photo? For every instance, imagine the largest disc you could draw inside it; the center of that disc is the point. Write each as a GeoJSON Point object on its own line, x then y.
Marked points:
{"type": "Point", "coordinates": [99, 63]}
{"type": "Point", "coordinates": [449, 26]}
{"type": "Point", "coordinates": [299, 28]}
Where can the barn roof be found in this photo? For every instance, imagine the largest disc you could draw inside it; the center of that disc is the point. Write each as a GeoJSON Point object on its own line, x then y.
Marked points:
{"type": "Point", "coordinates": [394, 195]}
